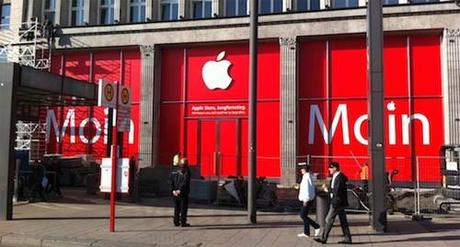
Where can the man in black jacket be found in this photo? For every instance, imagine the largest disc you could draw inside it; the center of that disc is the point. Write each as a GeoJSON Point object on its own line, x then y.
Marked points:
{"type": "Point", "coordinates": [339, 201]}
{"type": "Point", "coordinates": [180, 188]}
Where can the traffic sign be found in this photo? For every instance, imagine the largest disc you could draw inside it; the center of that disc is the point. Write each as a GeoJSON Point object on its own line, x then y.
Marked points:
{"type": "Point", "coordinates": [106, 94]}
{"type": "Point", "coordinates": [124, 109]}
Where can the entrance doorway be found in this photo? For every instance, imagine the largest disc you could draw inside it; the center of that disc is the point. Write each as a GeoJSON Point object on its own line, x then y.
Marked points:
{"type": "Point", "coordinates": [219, 147]}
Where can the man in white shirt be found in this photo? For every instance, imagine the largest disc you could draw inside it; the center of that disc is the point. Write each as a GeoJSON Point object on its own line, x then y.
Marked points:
{"type": "Point", "coordinates": [307, 196]}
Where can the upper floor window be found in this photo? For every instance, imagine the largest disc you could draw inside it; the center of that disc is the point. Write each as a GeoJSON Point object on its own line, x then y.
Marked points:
{"type": "Point", "coordinates": [78, 13]}
{"type": "Point", "coordinates": [202, 9]}
{"type": "Point", "coordinates": [304, 5]}
{"type": "Point", "coordinates": [424, 1]}
{"type": "Point", "coordinates": [236, 7]}
{"type": "Point", "coordinates": [169, 10]}
{"type": "Point", "coordinates": [270, 6]}
{"type": "Point", "coordinates": [136, 10]}
{"type": "Point", "coordinates": [106, 12]}
{"type": "Point", "coordinates": [49, 10]}
{"type": "Point", "coordinates": [338, 4]}
{"type": "Point", "coordinates": [390, 2]}
{"type": "Point", "coordinates": [5, 16]}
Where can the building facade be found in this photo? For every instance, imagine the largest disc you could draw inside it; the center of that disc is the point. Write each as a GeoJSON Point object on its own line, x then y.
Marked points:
{"type": "Point", "coordinates": [187, 63]}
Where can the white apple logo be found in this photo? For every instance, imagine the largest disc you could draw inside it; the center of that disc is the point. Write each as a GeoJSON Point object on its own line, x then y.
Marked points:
{"type": "Point", "coordinates": [391, 106]}
{"type": "Point", "coordinates": [215, 73]}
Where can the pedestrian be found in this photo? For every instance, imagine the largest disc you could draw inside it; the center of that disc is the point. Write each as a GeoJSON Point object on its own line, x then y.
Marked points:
{"type": "Point", "coordinates": [38, 182]}
{"type": "Point", "coordinates": [307, 197]}
{"type": "Point", "coordinates": [339, 201]}
{"type": "Point", "coordinates": [176, 159]}
{"type": "Point", "coordinates": [180, 188]}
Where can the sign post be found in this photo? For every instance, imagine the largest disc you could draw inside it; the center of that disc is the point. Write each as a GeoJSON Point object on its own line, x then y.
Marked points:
{"type": "Point", "coordinates": [376, 114]}
{"type": "Point", "coordinates": [117, 97]}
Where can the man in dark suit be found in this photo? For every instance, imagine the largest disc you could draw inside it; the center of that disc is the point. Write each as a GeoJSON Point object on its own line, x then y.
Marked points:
{"type": "Point", "coordinates": [180, 188]}
{"type": "Point", "coordinates": [339, 201]}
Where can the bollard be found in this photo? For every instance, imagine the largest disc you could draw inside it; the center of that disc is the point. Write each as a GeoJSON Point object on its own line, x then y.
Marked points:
{"type": "Point", "coordinates": [322, 206]}
{"type": "Point", "coordinates": [16, 181]}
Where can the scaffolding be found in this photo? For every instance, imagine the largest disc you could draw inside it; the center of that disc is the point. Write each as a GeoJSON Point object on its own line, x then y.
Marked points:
{"type": "Point", "coordinates": [31, 137]}
{"type": "Point", "coordinates": [30, 46]}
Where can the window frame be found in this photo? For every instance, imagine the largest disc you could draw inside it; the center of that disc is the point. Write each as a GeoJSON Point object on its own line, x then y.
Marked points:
{"type": "Point", "coordinates": [138, 5]}
{"type": "Point", "coordinates": [236, 8]}
{"type": "Point", "coordinates": [171, 3]}
{"type": "Point", "coordinates": [203, 9]}
{"type": "Point", "coordinates": [77, 9]}
{"type": "Point", "coordinates": [105, 6]}
{"type": "Point", "coordinates": [309, 2]}
{"type": "Point", "coordinates": [45, 11]}
{"type": "Point", "coordinates": [272, 7]}
{"type": "Point", "coordinates": [347, 7]}
{"type": "Point", "coordinates": [3, 25]}
{"type": "Point", "coordinates": [425, 1]}
{"type": "Point", "coordinates": [385, 4]}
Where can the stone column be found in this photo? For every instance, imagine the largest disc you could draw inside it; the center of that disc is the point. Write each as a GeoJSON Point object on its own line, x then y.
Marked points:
{"type": "Point", "coordinates": [288, 46]}
{"type": "Point", "coordinates": [34, 9]}
{"type": "Point", "coordinates": [146, 134]}
{"type": "Point", "coordinates": [451, 85]}
{"type": "Point", "coordinates": [62, 16]}
{"type": "Point", "coordinates": [124, 10]}
{"type": "Point", "coordinates": [183, 9]}
{"type": "Point", "coordinates": [150, 7]}
{"type": "Point", "coordinates": [288, 5]}
{"type": "Point", "coordinates": [86, 9]}
{"type": "Point", "coordinates": [362, 3]}
{"type": "Point", "coordinates": [19, 15]}
{"type": "Point", "coordinates": [216, 8]}
{"type": "Point", "coordinates": [93, 12]}
{"type": "Point", "coordinates": [117, 6]}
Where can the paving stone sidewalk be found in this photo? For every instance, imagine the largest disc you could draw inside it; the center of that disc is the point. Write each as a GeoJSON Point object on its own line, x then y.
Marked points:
{"type": "Point", "coordinates": [85, 223]}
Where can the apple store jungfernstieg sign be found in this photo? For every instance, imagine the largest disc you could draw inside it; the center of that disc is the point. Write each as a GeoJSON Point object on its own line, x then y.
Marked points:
{"type": "Point", "coordinates": [215, 73]}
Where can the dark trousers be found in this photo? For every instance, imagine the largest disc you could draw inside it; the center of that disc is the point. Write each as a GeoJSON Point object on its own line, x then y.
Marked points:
{"type": "Point", "coordinates": [331, 214]}
{"type": "Point", "coordinates": [307, 221]}
{"type": "Point", "coordinates": [180, 209]}
{"type": "Point", "coordinates": [37, 189]}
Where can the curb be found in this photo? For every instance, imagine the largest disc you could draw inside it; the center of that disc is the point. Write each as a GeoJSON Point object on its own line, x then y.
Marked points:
{"type": "Point", "coordinates": [14, 239]}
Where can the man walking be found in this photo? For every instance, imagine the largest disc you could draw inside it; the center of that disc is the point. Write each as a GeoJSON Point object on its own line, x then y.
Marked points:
{"type": "Point", "coordinates": [339, 201]}
{"type": "Point", "coordinates": [307, 197]}
{"type": "Point", "coordinates": [180, 188]}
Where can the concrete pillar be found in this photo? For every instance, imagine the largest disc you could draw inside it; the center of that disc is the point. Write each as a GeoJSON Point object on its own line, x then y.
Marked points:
{"type": "Point", "coordinates": [117, 6]}
{"type": "Point", "coordinates": [62, 16]}
{"type": "Point", "coordinates": [34, 9]}
{"type": "Point", "coordinates": [123, 12]}
{"type": "Point", "coordinates": [87, 9]}
{"type": "Point", "coordinates": [150, 7]}
{"type": "Point", "coordinates": [221, 7]}
{"type": "Point", "coordinates": [183, 6]}
{"type": "Point", "coordinates": [451, 85]}
{"type": "Point", "coordinates": [288, 5]}
{"type": "Point", "coordinates": [18, 14]}
{"type": "Point", "coordinates": [288, 46]}
{"type": "Point", "coordinates": [362, 3]}
{"type": "Point", "coordinates": [10, 76]}
{"type": "Point", "coordinates": [93, 12]}
{"type": "Point", "coordinates": [216, 10]}
{"type": "Point", "coordinates": [146, 134]}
